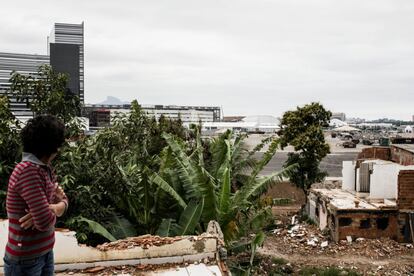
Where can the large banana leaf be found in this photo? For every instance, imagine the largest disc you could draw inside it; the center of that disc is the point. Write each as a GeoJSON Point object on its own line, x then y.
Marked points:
{"type": "Point", "coordinates": [227, 158]}
{"type": "Point", "coordinates": [200, 149]}
{"type": "Point", "coordinates": [219, 150]}
{"type": "Point", "coordinates": [181, 164]}
{"type": "Point", "coordinates": [268, 155]}
{"type": "Point", "coordinates": [189, 218]}
{"type": "Point", "coordinates": [206, 185]}
{"type": "Point", "coordinates": [161, 183]}
{"type": "Point", "coordinates": [121, 228]}
{"type": "Point", "coordinates": [196, 180]}
{"type": "Point", "coordinates": [177, 149]}
{"type": "Point", "coordinates": [165, 228]}
{"type": "Point", "coordinates": [257, 242]}
{"type": "Point", "coordinates": [259, 185]}
{"type": "Point", "coordinates": [225, 193]}
{"type": "Point", "coordinates": [96, 228]}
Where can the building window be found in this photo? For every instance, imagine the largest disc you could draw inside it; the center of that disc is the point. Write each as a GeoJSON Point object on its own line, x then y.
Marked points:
{"type": "Point", "coordinates": [365, 224]}
{"type": "Point", "coordinates": [345, 222]}
{"type": "Point", "coordinates": [382, 223]}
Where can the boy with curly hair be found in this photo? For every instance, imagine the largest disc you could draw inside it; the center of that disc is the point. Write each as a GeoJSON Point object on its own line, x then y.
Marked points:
{"type": "Point", "coordinates": [34, 200]}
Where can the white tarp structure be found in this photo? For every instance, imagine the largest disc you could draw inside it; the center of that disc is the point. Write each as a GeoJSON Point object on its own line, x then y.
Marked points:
{"type": "Point", "coordinates": [264, 123]}
{"type": "Point", "coordinates": [337, 123]}
{"type": "Point", "coordinates": [346, 129]}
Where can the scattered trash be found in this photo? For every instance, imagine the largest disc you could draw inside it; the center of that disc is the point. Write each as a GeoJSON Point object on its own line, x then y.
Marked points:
{"type": "Point", "coordinates": [295, 228]}
{"type": "Point", "coordinates": [311, 243]}
{"type": "Point", "coordinates": [305, 239]}
{"type": "Point", "coordinates": [293, 220]}
{"type": "Point", "coordinates": [276, 231]}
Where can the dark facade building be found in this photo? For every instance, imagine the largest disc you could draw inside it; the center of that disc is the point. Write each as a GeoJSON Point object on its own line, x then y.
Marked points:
{"type": "Point", "coordinates": [65, 55]}
{"type": "Point", "coordinates": [99, 118]}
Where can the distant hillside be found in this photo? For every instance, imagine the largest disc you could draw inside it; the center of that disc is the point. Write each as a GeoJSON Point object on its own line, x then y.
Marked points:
{"type": "Point", "coordinates": [113, 101]}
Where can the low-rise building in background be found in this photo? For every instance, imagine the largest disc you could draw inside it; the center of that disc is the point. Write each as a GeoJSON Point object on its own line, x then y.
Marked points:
{"type": "Point", "coordinates": [376, 199]}
{"type": "Point", "coordinates": [102, 115]}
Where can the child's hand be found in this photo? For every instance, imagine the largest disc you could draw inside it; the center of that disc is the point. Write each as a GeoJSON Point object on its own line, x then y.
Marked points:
{"type": "Point", "coordinates": [26, 221]}
{"type": "Point", "coordinates": [58, 209]}
{"type": "Point", "coordinates": [59, 193]}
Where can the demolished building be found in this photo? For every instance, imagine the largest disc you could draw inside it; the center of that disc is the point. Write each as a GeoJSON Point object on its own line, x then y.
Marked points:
{"type": "Point", "coordinates": [376, 198]}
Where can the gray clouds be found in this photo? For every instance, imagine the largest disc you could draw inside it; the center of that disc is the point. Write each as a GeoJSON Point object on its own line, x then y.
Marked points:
{"type": "Point", "coordinates": [251, 57]}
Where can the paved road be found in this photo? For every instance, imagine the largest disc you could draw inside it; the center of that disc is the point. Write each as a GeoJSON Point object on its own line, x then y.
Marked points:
{"type": "Point", "coordinates": [331, 163]}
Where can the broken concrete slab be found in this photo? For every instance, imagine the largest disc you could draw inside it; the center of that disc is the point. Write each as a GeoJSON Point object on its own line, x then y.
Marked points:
{"type": "Point", "coordinates": [133, 251]}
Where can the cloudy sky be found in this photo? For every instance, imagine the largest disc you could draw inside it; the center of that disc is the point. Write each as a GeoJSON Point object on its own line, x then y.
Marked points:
{"type": "Point", "coordinates": [248, 56]}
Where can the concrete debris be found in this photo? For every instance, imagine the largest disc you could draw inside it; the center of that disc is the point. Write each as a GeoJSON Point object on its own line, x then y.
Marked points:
{"type": "Point", "coordinates": [278, 223]}
{"type": "Point", "coordinates": [214, 229]}
{"type": "Point", "coordinates": [95, 269]}
{"type": "Point", "coordinates": [293, 222]}
{"type": "Point", "coordinates": [276, 231]}
{"type": "Point", "coordinates": [312, 242]}
{"type": "Point", "coordinates": [129, 270]}
{"type": "Point", "coordinates": [305, 239]}
{"type": "Point", "coordinates": [144, 242]}
{"type": "Point", "coordinates": [349, 239]}
{"type": "Point", "coordinates": [295, 228]}
{"type": "Point", "coordinates": [328, 184]}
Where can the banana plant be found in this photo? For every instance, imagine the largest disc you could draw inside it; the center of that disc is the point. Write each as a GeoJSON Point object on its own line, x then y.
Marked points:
{"type": "Point", "coordinates": [233, 209]}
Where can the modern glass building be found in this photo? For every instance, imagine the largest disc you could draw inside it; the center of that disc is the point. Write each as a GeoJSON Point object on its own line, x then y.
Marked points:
{"type": "Point", "coordinates": [65, 55]}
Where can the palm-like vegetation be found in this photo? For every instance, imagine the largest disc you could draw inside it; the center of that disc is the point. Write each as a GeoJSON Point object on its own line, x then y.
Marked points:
{"type": "Point", "coordinates": [208, 187]}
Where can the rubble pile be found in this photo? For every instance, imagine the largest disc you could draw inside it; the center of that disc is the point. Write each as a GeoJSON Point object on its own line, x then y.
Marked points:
{"type": "Point", "coordinates": [144, 242]}
{"type": "Point", "coordinates": [301, 238]}
{"type": "Point", "coordinates": [328, 184]}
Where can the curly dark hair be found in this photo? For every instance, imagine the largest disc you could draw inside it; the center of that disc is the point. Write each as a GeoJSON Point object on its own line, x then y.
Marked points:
{"type": "Point", "coordinates": [43, 135]}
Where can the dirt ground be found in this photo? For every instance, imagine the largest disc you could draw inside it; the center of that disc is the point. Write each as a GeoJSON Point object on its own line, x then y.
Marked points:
{"type": "Point", "coordinates": [287, 190]}
{"type": "Point", "coordinates": [303, 245]}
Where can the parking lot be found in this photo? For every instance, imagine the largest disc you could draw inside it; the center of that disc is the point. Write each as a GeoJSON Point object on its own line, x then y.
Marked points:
{"type": "Point", "coordinates": [332, 163]}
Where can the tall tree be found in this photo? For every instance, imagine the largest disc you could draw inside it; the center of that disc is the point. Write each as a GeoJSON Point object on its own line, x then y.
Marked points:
{"type": "Point", "coordinates": [303, 129]}
{"type": "Point", "coordinates": [46, 93]}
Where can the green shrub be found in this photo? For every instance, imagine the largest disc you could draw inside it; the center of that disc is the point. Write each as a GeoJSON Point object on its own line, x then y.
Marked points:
{"type": "Point", "coordinates": [10, 149]}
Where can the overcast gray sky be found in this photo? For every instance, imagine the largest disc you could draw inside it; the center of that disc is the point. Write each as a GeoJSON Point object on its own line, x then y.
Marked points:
{"type": "Point", "coordinates": [250, 57]}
